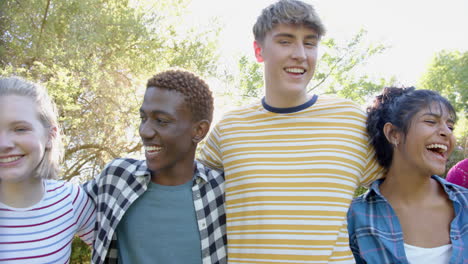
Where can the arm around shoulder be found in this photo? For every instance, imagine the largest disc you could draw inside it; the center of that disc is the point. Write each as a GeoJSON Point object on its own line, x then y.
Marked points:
{"type": "Point", "coordinates": [85, 213]}
{"type": "Point", "coordinates": [210, 154]}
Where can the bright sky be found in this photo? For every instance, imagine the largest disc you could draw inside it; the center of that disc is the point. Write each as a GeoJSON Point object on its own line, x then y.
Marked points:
{"type": "Point", "coordinates": [414, 29]}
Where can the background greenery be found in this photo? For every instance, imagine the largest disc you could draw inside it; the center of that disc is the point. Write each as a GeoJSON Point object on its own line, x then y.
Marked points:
{"type": "Point", "coordinates": [95, 55]}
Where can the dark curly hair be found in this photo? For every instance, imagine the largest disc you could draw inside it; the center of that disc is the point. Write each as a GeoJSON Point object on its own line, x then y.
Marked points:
{"type": "Point", "coordinates": [196, 92]}
{"type": "Point", "coordinates": [398, 106]}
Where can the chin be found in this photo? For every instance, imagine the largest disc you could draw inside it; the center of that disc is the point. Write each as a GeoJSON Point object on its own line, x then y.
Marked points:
{"type": "Point", "coordinates": [152, 167]}
{"type": "Point", "coordinates": [438, 171]}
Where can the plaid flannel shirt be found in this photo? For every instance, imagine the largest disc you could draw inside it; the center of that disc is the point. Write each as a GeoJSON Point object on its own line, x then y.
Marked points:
{"type": "Point", "coordinates": [375, 234]}
{"type": "Point", "coordinates": [124, 180]}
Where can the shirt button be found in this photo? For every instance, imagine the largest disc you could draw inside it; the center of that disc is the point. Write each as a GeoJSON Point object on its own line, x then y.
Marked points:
{"type": "Point", "coordinates": [198, 180]}
{"type": "Point", "coordinates": [198, 195]}
{"type": "Point", "coordinates": [203, 224]}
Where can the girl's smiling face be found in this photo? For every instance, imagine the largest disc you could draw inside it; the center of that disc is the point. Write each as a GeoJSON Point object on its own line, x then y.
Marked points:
{"type": "Point", "coordinates": [429, 141]}
{"type": "Point", "coordinates": [23, 138]}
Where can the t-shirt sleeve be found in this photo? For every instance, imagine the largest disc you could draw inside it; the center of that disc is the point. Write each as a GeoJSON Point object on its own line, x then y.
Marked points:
{"type": "Point", "coordinates": [210, 154]}
{"type": "Point", "coordinates": [373, 171]}
{"type": "Point", "coordinates": [85, 214]}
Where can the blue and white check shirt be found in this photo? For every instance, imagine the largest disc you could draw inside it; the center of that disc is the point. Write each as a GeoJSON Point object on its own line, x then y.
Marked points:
{"type": "Point", "coordinates": [124, 180]}
{"type": "Point", "coordinates": [375, 234]}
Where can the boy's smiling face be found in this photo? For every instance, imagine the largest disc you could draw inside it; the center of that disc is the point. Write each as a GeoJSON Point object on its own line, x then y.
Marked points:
{"type": "Point", "coordinates": [289, 53]}
{"type": "Point", "coordinates": [166, 129]}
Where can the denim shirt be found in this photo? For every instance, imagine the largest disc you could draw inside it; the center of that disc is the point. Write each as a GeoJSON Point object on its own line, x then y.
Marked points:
{"type": "Point", "coordinates": [375, 234]}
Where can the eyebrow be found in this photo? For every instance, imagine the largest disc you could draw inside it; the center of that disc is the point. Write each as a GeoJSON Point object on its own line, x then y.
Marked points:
{"type": "Point", "coordinates": [20, 122]}
{"type": "Point", "coordinates": [438, 116]}
{"type": "Point", "coordinates": [288, 35]}
{"type": "Point", "coordinates": [155, 112]}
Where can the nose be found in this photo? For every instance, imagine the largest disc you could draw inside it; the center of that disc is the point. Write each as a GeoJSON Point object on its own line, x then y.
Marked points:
{"type": "Point", "coordinates": [299, 52]}
{"type": "Point", "coordinates": [146, 130]}
{"type": "Point", "coordinates": [445, 130]}
{"type": "Point", "coordinates": [6, 142]}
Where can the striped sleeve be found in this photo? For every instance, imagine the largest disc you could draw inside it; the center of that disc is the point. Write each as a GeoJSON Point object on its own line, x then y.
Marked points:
{"type": "Point", "coordinates": [85, 214]}
{"type": "Point", "coordinates": [210, 153]}
{"type": "Point", "coordinates": [373, 171]}
{"type": "Point", "coordinates": [43, 233]}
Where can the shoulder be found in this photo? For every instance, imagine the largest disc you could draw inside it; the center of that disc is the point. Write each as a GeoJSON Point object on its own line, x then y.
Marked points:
{"type": "Point", "coordinates": [359, 203]}
{"type": "Point", "coordinates": [119, 172]}
{"type": "Point", "coordinates": [211, 174]}
{"type": "Point", "coordinates": [370, 200]}
{"type": "Point", "coordinates": [125, 166]}
{"type": "Point", "coordinates": [62, 190]}
{"type": "Point", "coordinates": [242, 112]}
{"type": "Point", "coordinates": [54, 187]}
{"type": "Point", "coordinates": [326, 101]}
{"type": "Point", "coordinates": [456, 192]}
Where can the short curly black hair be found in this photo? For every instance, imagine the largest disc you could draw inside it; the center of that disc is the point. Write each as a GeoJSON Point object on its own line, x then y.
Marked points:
{"type": "Point", "coordinates": [197, 94]}
{"type": "Point", "coordinates": [398, 106]}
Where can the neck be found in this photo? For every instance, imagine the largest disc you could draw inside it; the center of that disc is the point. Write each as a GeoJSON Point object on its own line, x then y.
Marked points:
{"type": "Point", "coordinates": [174, 175]}
{"type": "Point", "coordinates": [406, 184]}
{"type": "Point", "coordinates": [21, 194]}
{"type": "Point", "coordinates": [286, 100]}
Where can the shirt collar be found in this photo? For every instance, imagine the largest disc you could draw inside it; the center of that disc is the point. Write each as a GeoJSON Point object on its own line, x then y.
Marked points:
{"type": "Point", "coordinates": [374, 190]}
{"type": "Point", "coordinates": [142, 170]}
{"type": "Point", "coordinates": [449, 188]}
{"type": "Point", "coordinates": [199, 173]}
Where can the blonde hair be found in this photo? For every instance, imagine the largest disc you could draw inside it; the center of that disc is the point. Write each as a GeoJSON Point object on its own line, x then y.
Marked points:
{"type": "Point", "coordinates": [48, 168]}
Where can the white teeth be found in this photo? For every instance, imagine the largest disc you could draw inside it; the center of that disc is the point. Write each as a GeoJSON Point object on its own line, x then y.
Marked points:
{"type": "Point", "coordinates": [437, 146]}
{"type": "Point", "coordinates": [10, 159]}
{"type": "Point", "coordinates": [295, 70]}
{"type": "Point", "coordinates": [152, 149]}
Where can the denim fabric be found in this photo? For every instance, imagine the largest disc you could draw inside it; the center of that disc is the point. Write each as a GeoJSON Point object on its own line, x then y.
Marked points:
{"type": "Point", "coordinates": [375, 234]}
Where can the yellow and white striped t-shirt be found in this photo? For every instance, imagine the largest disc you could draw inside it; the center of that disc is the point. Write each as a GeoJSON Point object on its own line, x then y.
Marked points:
{"type": "Point", "coordinates": [290, 177]}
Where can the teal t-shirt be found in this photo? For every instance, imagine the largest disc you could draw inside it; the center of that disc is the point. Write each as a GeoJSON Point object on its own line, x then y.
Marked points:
{"type": "Point", "coordinates": [160, 227]}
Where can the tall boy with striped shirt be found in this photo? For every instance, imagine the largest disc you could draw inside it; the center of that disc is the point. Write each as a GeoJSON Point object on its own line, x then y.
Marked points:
{"type": "Point", "coordinates": [292, 161]}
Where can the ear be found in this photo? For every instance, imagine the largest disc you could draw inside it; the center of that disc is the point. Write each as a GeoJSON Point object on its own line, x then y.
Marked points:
{"type": "Point", "coordinates": [392, 134]}
{"type": "Point", "coordinates": [258, 51]}
{"type": "Point", "coordinates": [200, 130]}
{"type": "Point", "coordinates": [51, 136]}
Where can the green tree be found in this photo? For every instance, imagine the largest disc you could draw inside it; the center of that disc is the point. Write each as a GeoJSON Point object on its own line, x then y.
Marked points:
{"type": "Point", "coordinates": [448, 74]}
{"type": "Point", "coordinates": [250, 77]}
{"type": "Point", "coordinates": [92, 56]}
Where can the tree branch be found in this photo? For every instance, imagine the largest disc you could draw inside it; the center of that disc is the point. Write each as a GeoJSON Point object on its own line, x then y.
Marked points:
{"type": "Point", "coordinates": [328, 75]}
{"type": "Point", "coordinates": [41, 30]}
{"type": "Point", "coordinates": [71, 151]}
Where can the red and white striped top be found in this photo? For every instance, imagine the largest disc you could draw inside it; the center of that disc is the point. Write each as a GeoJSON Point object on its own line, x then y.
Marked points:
{"type": "Point", "coordinates": [44, 232]}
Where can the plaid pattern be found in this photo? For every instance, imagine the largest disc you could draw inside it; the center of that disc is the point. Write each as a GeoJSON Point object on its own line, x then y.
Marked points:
{"type": "Point", "coordinates": [124, 180]}
{"type": "Point", "coordinates": [375, 235]}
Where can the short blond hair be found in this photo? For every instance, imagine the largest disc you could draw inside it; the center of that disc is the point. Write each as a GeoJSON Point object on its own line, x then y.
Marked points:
{"type": "Point", "coordinates": [49, 167]}
{"type": "Point", "coordinates": [289, 12]}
